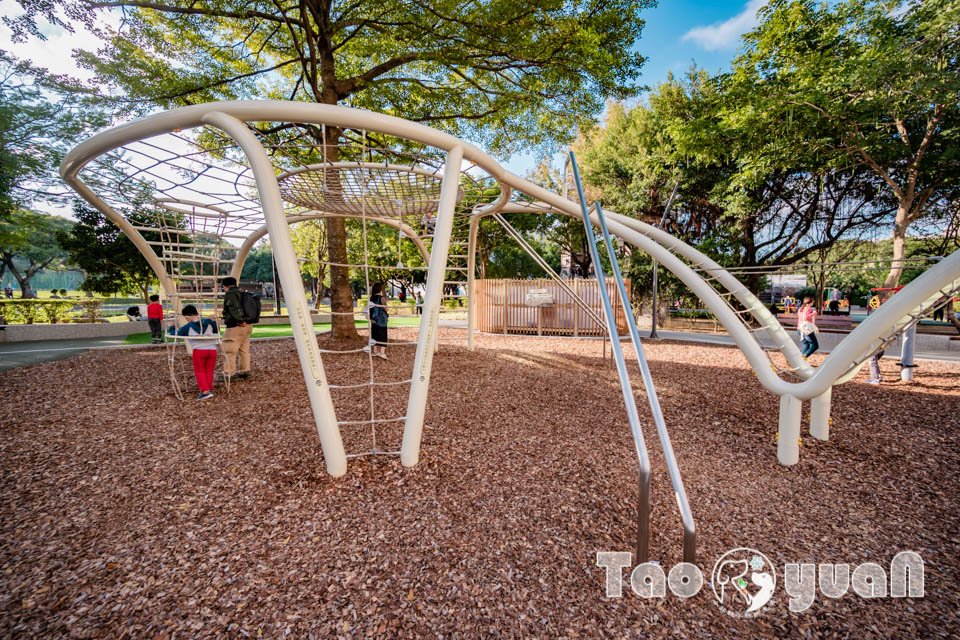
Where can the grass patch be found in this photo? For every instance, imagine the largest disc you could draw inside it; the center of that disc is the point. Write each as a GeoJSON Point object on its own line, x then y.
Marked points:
{"type": "Point", "coordinates": [284, 330]}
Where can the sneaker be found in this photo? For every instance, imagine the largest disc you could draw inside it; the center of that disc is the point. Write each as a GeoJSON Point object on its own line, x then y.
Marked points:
{"type": "Point", "coordinates": [206, 395]}
{"type": "Point", "coordinates": [242, 376]}
{"type": "Point", "coordinates": [382, 355]}
{"type": "Point", "coordinates": [873, 381]}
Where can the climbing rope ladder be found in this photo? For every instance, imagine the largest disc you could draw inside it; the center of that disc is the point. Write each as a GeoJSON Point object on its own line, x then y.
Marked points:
{"type": "Point", "coordinates": [371, 184]}
{"type": "Point", "coordinates": [195, 258]}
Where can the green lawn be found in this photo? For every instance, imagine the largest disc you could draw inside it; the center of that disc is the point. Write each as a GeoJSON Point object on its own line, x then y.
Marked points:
{"type": "Point", "coordinates": [284, 330]}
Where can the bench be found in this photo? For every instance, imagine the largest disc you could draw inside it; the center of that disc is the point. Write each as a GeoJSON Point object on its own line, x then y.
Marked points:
{"type": "Point", "coordinates": [825, 324]}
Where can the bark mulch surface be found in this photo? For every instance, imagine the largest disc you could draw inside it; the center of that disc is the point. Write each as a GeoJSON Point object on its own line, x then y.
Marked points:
{"type": "Point", "coordinates": [126, 513]}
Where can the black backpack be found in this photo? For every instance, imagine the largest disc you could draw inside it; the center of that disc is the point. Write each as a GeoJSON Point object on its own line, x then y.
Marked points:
{"type": "Point", "coordinates": [251, 307]}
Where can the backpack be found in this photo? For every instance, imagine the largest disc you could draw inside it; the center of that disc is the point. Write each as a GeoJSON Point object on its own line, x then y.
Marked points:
{"type": "Point", "coordinates": [250, 302]}
{"type": "Point", "coordinates": [378, 315]}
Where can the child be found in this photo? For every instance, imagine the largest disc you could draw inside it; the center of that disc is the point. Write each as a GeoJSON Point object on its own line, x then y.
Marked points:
{"type": "Point", "coordinates": [133, 313]}
{"type": "Point", "coordinates": [807, 326]}
{"type": "Point", "coordinates": [378, 320]}
{"type": "Point", "coordinates": [155, 318]}
{"type": "Point", "coordinates": [204, 351]}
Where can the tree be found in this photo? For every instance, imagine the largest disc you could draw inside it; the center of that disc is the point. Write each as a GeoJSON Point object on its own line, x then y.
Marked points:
{"type": "Point", "coordinates": [748, 193]}
{"type": "Point", "coordinates": [27, 245]}
{"type": "Point", "coordinates": [881, 80]}
{"type": "Point", "coordinates": [110, 260]}
{"type": "Point", "coordinates": [510, 75]}
{"type": "Point", "coordinates": [39, 122]}
{"type": "Point", "coordinates": [259, 264]}
{"type": "Point", "coordinates": [310, 242]}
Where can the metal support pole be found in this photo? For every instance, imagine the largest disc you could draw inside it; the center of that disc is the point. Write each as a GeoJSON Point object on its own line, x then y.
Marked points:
{"type": "Point", "coordinates": [653, 312]}
{"type": "Point", "coordinates": [427, 336]}
{"type": "Point", "coordinates": [907, 363]}
{"type": "Point", "coordinates": [643, 508]}
{"type": "Point", "coordinates": [656, 269]}
{"type": "Point", "coordinates": [788, 434]}
{"type": "Point", "coordinates": [289, 271]}
{"type": "Point", "coordinates": [820, 415]}
{"type": "Point", "coordinates": [689, 528]}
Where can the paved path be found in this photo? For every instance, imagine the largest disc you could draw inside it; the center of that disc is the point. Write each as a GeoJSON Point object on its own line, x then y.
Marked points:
{"type": "Point", "coordinates": [713, 338]}
{"type": "Point", "coordinates": [20, 354]}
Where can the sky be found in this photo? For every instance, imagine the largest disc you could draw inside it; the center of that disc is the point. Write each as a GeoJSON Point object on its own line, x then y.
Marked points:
{"type": "Point", "coordinates": [677, 34]}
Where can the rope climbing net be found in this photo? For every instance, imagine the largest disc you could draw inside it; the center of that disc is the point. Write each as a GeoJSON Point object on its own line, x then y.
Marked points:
{"type": "Point", "coordinates": [207, 212]}
{"type": "Point", "coordinates": [194, 255]}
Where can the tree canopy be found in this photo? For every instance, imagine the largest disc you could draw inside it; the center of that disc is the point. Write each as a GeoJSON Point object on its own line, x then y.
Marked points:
{"type": "Point", "coordinates": [39, 121]}
{"type": "Point", "coordinates": [109, 259]}
{"type": "Point", "coordinates": [28, 245]}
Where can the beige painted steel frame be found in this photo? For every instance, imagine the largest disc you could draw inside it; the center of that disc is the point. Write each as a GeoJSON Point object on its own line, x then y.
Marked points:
{"type": "Point", "coordinates": [839, 366]}
{"type": "Point", "coordinates": [231, 117]}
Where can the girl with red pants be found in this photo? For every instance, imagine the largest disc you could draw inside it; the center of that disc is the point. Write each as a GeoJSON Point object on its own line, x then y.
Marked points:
{"type": "Point", "coordinates": [202, 337]}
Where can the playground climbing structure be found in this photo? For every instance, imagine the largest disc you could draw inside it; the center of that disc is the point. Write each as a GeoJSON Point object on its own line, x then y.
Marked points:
{"type": "Point", "coordinates": [229, 158]}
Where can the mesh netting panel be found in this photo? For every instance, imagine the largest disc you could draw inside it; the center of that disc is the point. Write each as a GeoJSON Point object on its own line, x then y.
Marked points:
{"type": "Point", "coordinates": [364, 189]}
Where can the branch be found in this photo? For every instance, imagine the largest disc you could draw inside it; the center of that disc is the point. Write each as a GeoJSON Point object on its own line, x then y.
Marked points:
{"type": "Point", "coordinates": [217, 83]}
{"type": "Point", "coordinates": [348, 86]}
{"type": "Point", "coordinates": [140, 4]}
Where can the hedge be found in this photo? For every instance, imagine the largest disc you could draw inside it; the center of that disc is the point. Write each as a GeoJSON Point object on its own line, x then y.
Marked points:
{"type": "Point", "coordinates": [29, 310]}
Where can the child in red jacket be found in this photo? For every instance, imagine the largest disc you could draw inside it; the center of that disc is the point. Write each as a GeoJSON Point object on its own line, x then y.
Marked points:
{"type": "Point", "coordinates": [155, 318]}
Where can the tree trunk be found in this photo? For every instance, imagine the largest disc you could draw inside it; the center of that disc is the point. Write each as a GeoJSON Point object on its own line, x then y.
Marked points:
{"type": "Point", "coordinates": [341, 298]}
{"type": "Point", "coordinates": [22, 279]}
{"type": "Point", "coordinates": [900, 224]}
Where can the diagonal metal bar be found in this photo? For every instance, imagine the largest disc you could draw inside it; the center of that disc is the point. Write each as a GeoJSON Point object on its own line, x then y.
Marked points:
{"type": "Point", "coordinates": [643, 507]}
{"type": "Point", "coordinates": [546, 267]}
{"type": "Point", "coordinates": [689, 528]}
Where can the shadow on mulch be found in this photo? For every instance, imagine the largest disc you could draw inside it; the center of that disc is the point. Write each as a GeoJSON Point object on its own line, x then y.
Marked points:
{"type": "Point", "coordinates": [125, 511]}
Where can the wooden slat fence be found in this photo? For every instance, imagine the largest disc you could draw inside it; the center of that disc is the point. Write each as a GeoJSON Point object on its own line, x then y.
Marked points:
{"type": "Point", "coordinates": [501, 307]}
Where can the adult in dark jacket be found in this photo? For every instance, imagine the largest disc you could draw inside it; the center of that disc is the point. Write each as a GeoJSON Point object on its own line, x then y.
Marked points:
{"type": "Point", "coordinates": [236, 338]}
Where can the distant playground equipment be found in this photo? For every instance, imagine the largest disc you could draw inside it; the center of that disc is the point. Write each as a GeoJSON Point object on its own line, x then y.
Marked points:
{"type": "Point", "coordinates": [835, 303]}
{"type": "Point", "coordinates": [789, 304]}
{"type": "Point", "coordinates": [231, 161]}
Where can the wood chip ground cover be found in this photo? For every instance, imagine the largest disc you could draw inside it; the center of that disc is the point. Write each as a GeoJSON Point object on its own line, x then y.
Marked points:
{"type": "Point", "coordinates": [128, 514]}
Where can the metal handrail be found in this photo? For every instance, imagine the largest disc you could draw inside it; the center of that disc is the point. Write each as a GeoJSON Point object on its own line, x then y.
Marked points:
{"type": "Point", "coordinates": [643, 507]}
{"type": "Point", "coordinates": [689, 527]}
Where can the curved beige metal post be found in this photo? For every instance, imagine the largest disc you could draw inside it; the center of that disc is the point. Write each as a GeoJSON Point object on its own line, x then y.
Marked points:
{"type": "Point", "coordinates": [820, 415]}
{"type": "Point", "coordinates": [427, 337]}
{"type": "Point", "coordinates": [69, 176]}
{"type": "Point", "coordinates": [471, 281]}
{"type": "Point", "coordinates": [289, 272]}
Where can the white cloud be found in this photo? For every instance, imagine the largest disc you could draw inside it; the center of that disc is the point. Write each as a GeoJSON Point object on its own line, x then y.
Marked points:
{"type": "Point", "coordinates": [54, 53]}
{"type": "Point", "coordinates": [724, 35]}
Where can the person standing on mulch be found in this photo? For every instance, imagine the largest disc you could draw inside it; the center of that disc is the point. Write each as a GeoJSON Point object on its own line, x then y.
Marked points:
{"type": "Point", "coordinates": [155, 319]}
{"type": "Point", "coordinates": [875, 377]}
{"type": "Point", "coordinates": [204, 351]}
{"type": "Point", "coordinates": [378, 320]}
{"type": "Point", "coordinates": [807, 326]}
{"type": "Point", "coordinates": [236, 339]}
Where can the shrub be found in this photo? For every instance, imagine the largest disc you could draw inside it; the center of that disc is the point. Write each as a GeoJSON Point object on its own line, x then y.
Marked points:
{"type": "Point", "coordinates": [92, 309]}
{"type": "Point", "coordinates": [32, 310]}
{"type": "Point", "coordinates": [63, 293]}
{"type": "Point", "coordinates": [55, 311]}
